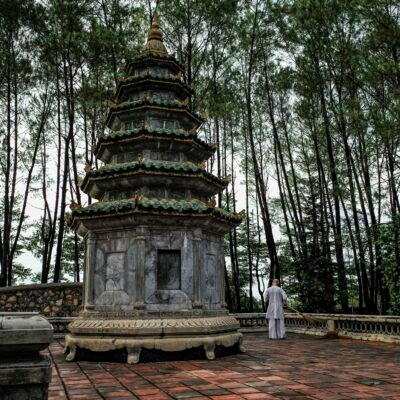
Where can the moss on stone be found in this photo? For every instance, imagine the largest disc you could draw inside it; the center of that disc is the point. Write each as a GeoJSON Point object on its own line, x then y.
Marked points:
{"type": "Point", "coordinates": [154, 204]}
{"type": "Point", "coordinates": [151, 165]}
{"type": "Point", "coordinates": [114, 136]}
{"type": "Point", "coordinates": [151, 101]}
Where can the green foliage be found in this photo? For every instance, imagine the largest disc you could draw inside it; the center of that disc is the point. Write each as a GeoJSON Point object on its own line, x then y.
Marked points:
{"type": "Point", "coordinates": [389, 235]}
{"type": "Point", "coordinates": [72, 260]}
{"type": "Point", "coordinates": [20, 274]}
{"type": "Point", "coordinates": [296, 73]}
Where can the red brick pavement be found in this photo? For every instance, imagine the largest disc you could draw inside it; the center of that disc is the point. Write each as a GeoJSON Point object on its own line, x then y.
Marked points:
{"type": "Point", "coordinates": [298, 368]}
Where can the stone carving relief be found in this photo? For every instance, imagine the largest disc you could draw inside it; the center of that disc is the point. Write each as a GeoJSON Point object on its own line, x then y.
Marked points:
{"type": "Point", "coordinates": [114, 274]}
{"type": "Point", "coordinates": [114, 293]}
{"type": "Point", "coordinates": [210, 271]}
{"type": "Point", "coordinates": [169, 297]}
{"type": "Point", "coordinates": [99, 263]}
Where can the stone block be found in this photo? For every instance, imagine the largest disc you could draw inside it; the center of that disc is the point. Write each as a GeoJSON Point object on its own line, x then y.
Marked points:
{"type": "Point", "coordinates": [25, 379]}
{"type": "Point", "coordinates": [24, 373]}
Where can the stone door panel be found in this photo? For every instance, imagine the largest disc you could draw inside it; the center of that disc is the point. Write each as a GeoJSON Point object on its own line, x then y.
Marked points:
{"type": "Point", "coordinates": [168, 270]}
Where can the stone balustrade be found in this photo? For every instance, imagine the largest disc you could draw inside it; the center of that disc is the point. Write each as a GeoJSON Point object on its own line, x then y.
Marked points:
{"type": "Point", "coordinates": [60, 303]}
{"type": "Point", "coordinates": [365, 327]}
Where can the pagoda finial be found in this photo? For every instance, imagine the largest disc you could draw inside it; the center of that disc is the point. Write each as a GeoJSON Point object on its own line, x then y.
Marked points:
{"type": "Point", "coordinates": [155, 42]}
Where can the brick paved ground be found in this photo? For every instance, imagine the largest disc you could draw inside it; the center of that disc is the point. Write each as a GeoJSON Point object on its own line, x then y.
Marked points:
{"type": "Point", "coordinates": [294, 369]}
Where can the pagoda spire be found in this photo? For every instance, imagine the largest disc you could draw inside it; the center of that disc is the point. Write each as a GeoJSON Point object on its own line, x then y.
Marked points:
{"type": "Point", "coordinates": [155, 43]}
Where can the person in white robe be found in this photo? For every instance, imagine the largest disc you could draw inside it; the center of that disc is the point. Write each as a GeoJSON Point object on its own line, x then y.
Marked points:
{"type": "Point", "coordinates": [276, 299]}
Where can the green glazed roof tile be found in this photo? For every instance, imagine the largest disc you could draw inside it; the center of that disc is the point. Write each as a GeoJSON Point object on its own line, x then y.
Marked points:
{"type": "Point", "coordinates": [175, 104]}
{"type": "Point", "coordinates": [158, 55]}
{"type": "Point", "coordinates": [155, 132]}
{"type": "Point", "coordinates": [151, 165]}
{"type": "Point", "coordinates": [158, 131]}
{"type": "Point", "coordinates": [156, 165]}
{"type": "Point", "coordinates": [142, 204]}
{"type": "Point", "coordinates": [172, 204]}
{"type": "Point", "coordinates": [152, 56]}
{"type": "Point", "coordinates": [154, 204]}
{"type": "Point", "coordinates": [149, 77]}
{"type": "Point", "coordinates": [151, 101]}
{"type": "Point", "coordinates": [167, 77]}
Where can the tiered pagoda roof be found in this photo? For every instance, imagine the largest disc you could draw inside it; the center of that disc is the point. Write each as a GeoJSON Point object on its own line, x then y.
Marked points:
{"type": "Point", "coordinates": [154, 161]}
{"type": "Point", "coordinates": [153, 137]}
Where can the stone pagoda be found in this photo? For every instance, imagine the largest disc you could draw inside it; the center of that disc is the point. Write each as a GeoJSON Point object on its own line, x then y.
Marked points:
{"type": "Point", "coordinates": [154, 274]}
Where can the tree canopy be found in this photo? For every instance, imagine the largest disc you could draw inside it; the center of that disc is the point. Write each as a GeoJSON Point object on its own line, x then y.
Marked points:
{"type": "Point", "coordinates": [302, 96]}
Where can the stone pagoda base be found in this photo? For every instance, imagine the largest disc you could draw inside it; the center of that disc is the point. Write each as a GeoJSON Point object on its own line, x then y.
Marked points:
{"type": "Point", "coordinates": [166, 334]}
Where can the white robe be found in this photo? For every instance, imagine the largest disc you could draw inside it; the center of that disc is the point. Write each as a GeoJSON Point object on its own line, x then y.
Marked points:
{"type": "Point", "coordinates": [276, 298]}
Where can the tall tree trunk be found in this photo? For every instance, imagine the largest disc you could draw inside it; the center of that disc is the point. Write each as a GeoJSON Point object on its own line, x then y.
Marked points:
{"type": "Point", "coordinates": [260, 185]}
{"type": "Point", "coordinates": [60, 236]}
{"type": "Point", "coordinates": [341, 270]}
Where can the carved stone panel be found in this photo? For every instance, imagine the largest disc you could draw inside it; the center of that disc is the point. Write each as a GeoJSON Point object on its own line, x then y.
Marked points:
{"type": "Point", "coordinates": [115, 271]}
{"type": "Point", "coordinates": [131, 270]}
{"type": "Point", "coordinates": [170, 297]}
{"type": "Point", "coordinates": [114, 292]}
{"type": "Point", "coordinates": [210, 280]}
{"type": "Point", "coordinates": [99, 271]}
{"type": "Point", "coordinates": [212, 273]}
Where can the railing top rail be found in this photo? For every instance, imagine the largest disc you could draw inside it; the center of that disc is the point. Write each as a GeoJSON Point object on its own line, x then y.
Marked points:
{"type": "Point", "coordinates": [354, 317]}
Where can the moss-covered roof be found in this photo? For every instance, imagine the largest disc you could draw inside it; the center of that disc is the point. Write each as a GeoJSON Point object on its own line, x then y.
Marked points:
{"type": "Point", "coordinates": [153, 102]}
{"type": "Point", "coordinates": [115, 136]}
{"type": "Point", "coordinates": [152, 57]}
{"type": "Point", "coordinates": [151, 75]}
{"type": "Point", "coordinates": [153, 204]}
{"type": "Point", "coordinates": [152, 78]}
{"type": "Point", "coordinates": [150, 101]}
{"type": "Point", "coordinates": [160, 166]}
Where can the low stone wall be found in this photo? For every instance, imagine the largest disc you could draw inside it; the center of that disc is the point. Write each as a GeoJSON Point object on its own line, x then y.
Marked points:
{"type": "Point", "coordinates": [49, 299]}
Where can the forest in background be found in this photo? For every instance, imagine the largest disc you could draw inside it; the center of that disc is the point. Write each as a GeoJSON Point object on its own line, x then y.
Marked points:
{"type": "Point", "coordinates": [302, 97]}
